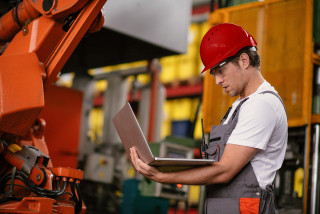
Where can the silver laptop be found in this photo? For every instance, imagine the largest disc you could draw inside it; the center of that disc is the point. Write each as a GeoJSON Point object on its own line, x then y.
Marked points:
{"type": "Point", "coordinates": [131, 135]}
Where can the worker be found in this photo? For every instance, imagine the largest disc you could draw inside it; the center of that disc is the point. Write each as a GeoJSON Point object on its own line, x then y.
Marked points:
{"type": "Point", "coordinates": [250, 144]}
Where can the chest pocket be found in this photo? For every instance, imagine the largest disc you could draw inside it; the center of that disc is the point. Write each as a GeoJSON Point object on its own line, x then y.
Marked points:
{"type": "Point", "coordinates": [216, 142]}
{"type": "Point", "coordinates": [220, 134]}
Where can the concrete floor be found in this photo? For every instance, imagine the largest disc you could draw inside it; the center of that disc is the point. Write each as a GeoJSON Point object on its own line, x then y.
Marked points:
{"type": "Point", "coordinates": [290, 211]}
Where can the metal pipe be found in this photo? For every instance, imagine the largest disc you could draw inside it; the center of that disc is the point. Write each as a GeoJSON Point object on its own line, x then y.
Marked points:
{"type": "Point", "coordinates": [153, 101]}
{"type": "Point", "coordinates": [306, 168]}
{"type": "Point", "coordinates": [315, 167]}
{"type": "Point", "coordinates": [13, 176]}
{"type": "Point", "coordinates": [15, 19]}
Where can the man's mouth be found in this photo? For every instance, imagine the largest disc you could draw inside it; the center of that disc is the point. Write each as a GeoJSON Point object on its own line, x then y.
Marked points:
{"type": "Point", "coordinates": [225, 88]}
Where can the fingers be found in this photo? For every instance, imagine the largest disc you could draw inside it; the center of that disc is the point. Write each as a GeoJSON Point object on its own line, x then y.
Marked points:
{"type": "Point", "coordinates": [140, 166]}
{"type": "Point", "coordinates": [135, 159]}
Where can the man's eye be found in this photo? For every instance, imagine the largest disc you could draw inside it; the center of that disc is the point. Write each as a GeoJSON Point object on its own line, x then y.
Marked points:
{"type": "Point", "coordinates": [219, 71]}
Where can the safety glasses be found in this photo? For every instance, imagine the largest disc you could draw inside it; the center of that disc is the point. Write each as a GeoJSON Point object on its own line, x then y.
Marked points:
{"type": "Point", "coordinates": [219, 66]}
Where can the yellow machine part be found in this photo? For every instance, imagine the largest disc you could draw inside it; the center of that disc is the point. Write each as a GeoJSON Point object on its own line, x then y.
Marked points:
{"type": "Point", "coordinates": [282, 29]}
{"type": "Point", "coordinates": [298, 182]}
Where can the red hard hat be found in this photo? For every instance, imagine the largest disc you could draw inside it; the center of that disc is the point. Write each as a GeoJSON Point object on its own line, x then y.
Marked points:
{"type": "Point", "coordinates": [223, 41]}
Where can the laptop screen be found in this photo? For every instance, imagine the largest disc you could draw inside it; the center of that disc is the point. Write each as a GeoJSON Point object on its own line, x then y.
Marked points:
{"type": "Point", "coordinates": [131, 134]}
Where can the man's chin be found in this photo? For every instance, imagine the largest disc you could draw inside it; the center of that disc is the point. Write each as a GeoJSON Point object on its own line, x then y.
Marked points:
{"type": "Point", "coordinates": [232, 94]}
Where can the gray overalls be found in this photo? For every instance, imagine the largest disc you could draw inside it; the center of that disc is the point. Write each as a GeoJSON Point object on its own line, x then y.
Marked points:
{"type": "Point", "coordinates": [243, 192]}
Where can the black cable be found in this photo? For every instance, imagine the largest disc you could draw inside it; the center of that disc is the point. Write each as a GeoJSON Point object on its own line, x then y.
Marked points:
{"type": "Point", "coordinates": [79, 194]}
{"type": "Point", "coordinates": [4, 180]}
{"type": "Point", "coordinates": [39, 193]}
{"type": "Point", "coordinates": [58, 185]}
{"type": "Point", "coordinates": [25, 187]}
{"type": "Point", "coordinates": [73, 189]}
{"type": "Point", "coordinates": [45, 192]}
{"type": "Point", "coordinates": [38, 190]}
{"type": "Point", "coordinates": [69, 193]}
{"type": "Point", "coordinates": [16, 18]}
{"type": "Point", "coordinates": [6, 199]}
{"type": "Point", "coordinates": [30, 186]}
{"type": "Point", "coordinates": [78, 201]}
{"type": "Point", "coordinates": [19, 185]}
{"type": "Point", "coordinates": [33, 188]}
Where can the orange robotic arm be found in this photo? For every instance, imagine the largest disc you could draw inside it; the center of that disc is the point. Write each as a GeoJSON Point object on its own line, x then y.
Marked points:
{"type": "Point", "coordinates": [42, 36]}
{"type": "Point", "coordinates": [36, 39]}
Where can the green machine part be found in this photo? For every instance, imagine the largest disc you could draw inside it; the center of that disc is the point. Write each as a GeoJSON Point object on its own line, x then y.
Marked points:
{"type": "Point", "coordinates": [148, 187]}
{"type": "Point", "coordinates": [134, 203]}
{"type": "Point", "coordinates": [183, 141]}
{"type": "Point", "coordinates": [172, 191]}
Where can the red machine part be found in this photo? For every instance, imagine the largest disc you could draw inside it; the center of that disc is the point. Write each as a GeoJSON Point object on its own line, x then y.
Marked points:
{"type": "Point", "coordinates": [69, 173]}
{"type": "Point", "coordinates": [38, 205]}
{"type": "Point", "coordinates": [52, 184]}
{"type": "Point", "coordinates": [62, 114]}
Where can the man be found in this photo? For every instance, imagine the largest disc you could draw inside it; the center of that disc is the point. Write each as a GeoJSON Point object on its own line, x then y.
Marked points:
{"type": "Point", "coordinates": [250, 143]}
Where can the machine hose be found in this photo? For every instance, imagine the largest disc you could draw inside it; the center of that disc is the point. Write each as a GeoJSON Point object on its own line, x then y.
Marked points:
{"type": "Point", "coordinates": [78, 201]}
{"type": "Point", "coordinates": [6, 199]}
{"type": "Point", "coordinates": [75, 188]}
{"type": "Point", "coordinates": [34, 188]}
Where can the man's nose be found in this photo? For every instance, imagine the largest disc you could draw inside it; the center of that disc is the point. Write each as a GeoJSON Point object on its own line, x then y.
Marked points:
{"type": "Point", "coordinates": [218, 79]}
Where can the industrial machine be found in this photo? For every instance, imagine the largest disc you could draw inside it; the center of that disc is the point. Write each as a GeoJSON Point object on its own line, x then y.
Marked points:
{"type": "Point", "coordinates": [36, 39]}
{"type": "Point", "coordinates": [171, 191]}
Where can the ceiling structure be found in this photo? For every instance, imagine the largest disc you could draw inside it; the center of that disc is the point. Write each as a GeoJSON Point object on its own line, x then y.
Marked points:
{"type": "Point", "coordinates": [165, 34]}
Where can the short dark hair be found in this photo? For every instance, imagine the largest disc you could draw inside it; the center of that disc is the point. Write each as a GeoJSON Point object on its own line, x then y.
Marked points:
{"type": "Point", "coordinates": [254, 57]}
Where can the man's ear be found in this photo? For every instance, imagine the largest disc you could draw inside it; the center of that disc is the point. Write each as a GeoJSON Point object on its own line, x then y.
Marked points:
{"type": "Point", "coordinates": [244, 60]}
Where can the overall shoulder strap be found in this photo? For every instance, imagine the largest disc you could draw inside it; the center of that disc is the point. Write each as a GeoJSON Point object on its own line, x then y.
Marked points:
{"type": "Point", "coordinates": [236, 111]}
{"type": "Point", "coordinates": [225, 116]}
{"type": "Point", "coordinates": [277, 95]}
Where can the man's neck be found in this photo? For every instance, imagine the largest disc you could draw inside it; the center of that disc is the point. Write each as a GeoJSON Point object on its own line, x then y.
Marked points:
{"type": "Point", "coordinates": [255, 80]}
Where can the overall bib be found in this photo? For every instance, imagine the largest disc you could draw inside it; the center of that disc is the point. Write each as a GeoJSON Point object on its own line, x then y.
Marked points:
{"type": "Point", "coordinates": [243, 193]}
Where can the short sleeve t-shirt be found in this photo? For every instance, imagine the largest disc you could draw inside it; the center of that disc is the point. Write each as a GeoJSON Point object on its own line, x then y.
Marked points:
{"type": "Point", "coordinates": [262, 124]}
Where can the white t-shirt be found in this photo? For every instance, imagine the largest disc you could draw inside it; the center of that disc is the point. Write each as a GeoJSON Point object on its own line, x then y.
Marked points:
{"type": "Point", "coordinates": [262, 124]}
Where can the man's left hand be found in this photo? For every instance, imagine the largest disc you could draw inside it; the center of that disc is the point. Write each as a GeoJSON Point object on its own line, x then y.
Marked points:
{"type": "Point", "coordinates": [143, 168]}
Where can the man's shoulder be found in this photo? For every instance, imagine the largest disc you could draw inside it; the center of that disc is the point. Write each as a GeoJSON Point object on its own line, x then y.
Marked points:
{"type": "Point", "coordinates": [263, 107]}
{"type": "Point", "coordinates": [261, 101]}
{"type": "Point", "coordinates": [265, 95]}
{"type": "Point", "coordinates": [258, 106]}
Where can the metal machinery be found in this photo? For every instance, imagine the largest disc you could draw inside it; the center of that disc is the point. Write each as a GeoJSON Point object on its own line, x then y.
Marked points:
{"type": "Point", "coordinates": [37, 38]}
{"type": "Point", "coordinates": [105, 164]}
{"type": "Point", "coordinates": [171, 191]}
{"type": "Point", "coordinates": [133, 34]}
{"type": "Point", "coordinates": [287, 63]}
{"type": "Point", "coordinates": [169, 147]}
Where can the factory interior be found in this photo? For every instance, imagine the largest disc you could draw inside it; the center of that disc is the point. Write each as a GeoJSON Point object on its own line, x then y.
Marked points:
{"type": "Point", "coordinates": [68, 67]}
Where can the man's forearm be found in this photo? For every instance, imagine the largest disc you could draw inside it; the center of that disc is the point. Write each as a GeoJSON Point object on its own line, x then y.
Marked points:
{"type": "Point", "coordinates": [196, 176]}
{"type": "Point", "coordinates": [233, 160]}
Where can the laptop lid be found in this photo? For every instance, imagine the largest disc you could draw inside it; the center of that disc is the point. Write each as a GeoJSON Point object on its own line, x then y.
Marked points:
{"type": "Point", "coordinates": [131, 134]}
